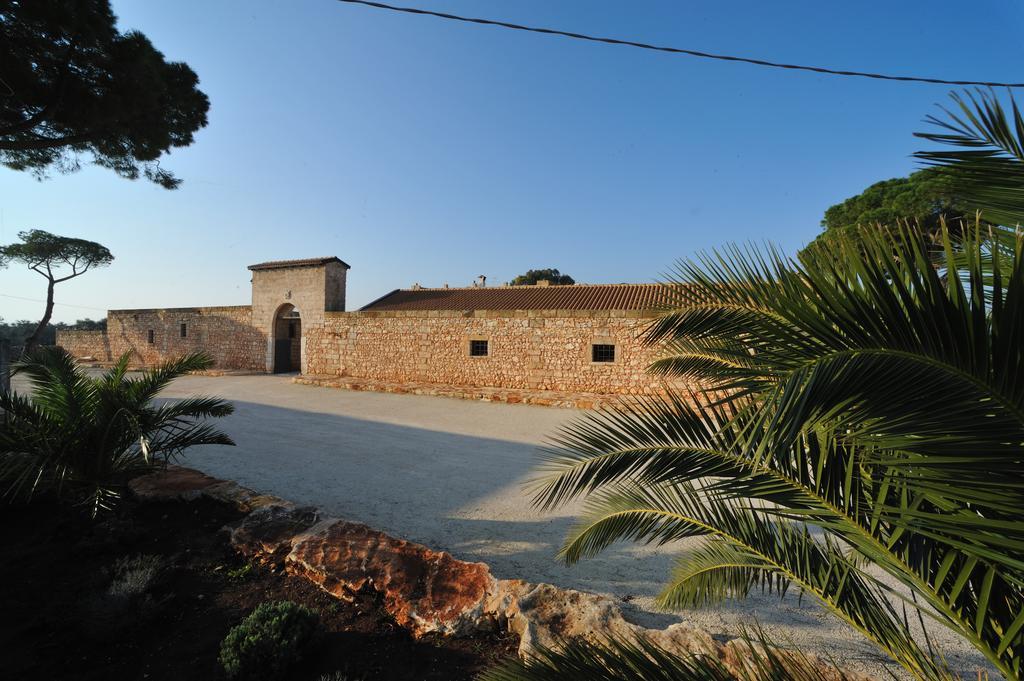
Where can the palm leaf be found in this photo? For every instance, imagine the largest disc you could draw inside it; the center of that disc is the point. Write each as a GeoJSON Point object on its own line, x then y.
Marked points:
{"type": "Point", "coordinates": [988, 167]}
{"type": "Point", "coordinates": [83, 437]}
{"type": "Point", "coordinates": [640, 659]}
{"type": "Point", "coordinates": [862, 390]}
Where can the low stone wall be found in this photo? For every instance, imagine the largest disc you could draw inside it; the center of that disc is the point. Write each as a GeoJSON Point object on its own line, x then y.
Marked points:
{"type": "Point", "coordinates": [428, 591]}
{"type": "Point", "coordinates": [538, 350]}
{"type": "Point", "coordinates": [225, 333]}
{"type": "Point", "coordinates": [90, 345]}
{"type": "Point", "coordinates": [153, 336]}
{"type": "Point", "coordinates": [5, 366]}
{"type": "Point", "coordinates": [540, 398]}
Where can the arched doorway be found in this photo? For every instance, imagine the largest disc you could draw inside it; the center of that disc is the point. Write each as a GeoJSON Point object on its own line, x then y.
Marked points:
{"type": "Point", "coordinates": [287, 339]}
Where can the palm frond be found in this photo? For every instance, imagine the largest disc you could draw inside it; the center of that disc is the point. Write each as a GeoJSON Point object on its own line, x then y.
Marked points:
{"type": "Point", "coordinates": [988, 167]}
{"type": "Point", "coordinates": [640, 659]}
{"type": "Point", "coordinates": [863, 390]}
{"type": "Point", "coordinates": [746, 550]}
{"type": "Point", "coordinates": [84, 437]}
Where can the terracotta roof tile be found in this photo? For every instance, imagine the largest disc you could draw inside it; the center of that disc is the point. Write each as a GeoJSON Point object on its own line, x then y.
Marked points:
{"type": "Point", "coordinates": [566, 297]}
{"type": "Point", "coordinates": [306, 262]}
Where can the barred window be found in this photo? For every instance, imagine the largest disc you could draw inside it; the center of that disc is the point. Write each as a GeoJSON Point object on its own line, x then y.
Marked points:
{"type": "Point", "coordinates": [184, 330]}
{"type": "Point", "coordinates": [151, 336]}
{"type": "Point", "coordinates": [602, 353]}
{"type": "Point", "coordinates": [477, 348]}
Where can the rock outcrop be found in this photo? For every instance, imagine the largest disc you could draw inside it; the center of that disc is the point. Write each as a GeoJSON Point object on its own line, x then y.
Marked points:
{"type": "Point", "coordinates": [425, 591]}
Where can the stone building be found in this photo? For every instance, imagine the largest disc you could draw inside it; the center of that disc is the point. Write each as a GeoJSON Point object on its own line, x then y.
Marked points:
{"type": "Point", "coordinates": [571, 338]}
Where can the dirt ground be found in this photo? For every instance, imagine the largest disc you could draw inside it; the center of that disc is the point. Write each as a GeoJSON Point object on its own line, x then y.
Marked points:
{"type": "Point", "coordinates": [60, 621]}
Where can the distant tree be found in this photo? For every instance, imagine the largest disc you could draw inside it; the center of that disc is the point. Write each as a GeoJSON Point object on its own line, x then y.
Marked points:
{"type": "Point", "coordinates": [87, 324]}
{"type": "Point", "coordinates": [50, 255]}
{"type": "Point", "coordinates": [17, 331]}
{"type": "Point", "coordinates": [72, 84]}
{"type": "Point", "coordinates": [533, 276]}
{"type": "Point", "coordinates": [922, 198]}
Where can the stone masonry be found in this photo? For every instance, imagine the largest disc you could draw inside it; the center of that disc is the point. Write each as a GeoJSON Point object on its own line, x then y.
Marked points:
{"type": "Point", "coordinates": [301, 303]}
{"type": "Point", "coordinates": [528, 349]}
{"type": "Point", "coordinates": [151, 336]}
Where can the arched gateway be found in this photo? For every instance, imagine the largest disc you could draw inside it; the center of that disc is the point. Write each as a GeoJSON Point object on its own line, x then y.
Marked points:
{"type": "Point", "coordinates": [287, 340]}
{"type": "Point", "coordinates": [289, 296]}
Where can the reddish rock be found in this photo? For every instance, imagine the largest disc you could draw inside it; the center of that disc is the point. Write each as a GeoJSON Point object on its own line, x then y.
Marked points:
{"type": "Point", "coordinates": [430, 591]}
{"type": "Point", "coordinates": [269, 531]}
{"type": "Point", "coordinates": [174, 482]}
{"type": "Point", "coordinates": [243, 498]}
{"type": "Point", "coordinates": [425, 591]}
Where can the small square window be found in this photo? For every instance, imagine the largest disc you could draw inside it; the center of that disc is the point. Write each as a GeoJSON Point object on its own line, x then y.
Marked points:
{"type": "Point", "coordinates": [184, 330]}
{"type": "Point", "coordinates": [602, 353]}
{"type": "Point", "coordinates": [151, 336]}
{"type": "Point", "coordinates": [477, 348]}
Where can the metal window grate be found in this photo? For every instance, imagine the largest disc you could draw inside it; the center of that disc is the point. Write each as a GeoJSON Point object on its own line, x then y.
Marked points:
{"type": "Point", "coordinates": [151, 336]}
{"type": "Point", "coordinates": [184, 330]}
{"type": "Point", "coordinates": [477, 348]}
{"type": "Point", "coordinates": [602, 353]}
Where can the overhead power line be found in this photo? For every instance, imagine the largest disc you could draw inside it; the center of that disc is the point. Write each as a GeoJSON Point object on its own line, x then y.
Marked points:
{"type": "Point", "coordinates": [677, 50]}
{"type": "Point", "coordinates": [37, 300]}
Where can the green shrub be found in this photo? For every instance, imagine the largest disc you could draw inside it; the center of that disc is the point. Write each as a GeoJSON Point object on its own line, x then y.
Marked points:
{"type": "Point", "coordinates": [269, 641]}
{"type": "Point", "coordinates": [240, 574]}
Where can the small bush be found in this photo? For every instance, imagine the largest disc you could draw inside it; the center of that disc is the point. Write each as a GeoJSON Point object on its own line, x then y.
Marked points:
{"type": "Point", "coordinates": [128, 600]}
{"type": "Point", "coordinates": [133, 576]}
{"type": "Point", "coordinates": [269, 641]}
{"type": "Point", "coordinates": [240, 574]}
{"type": "Point", "coordinates": [338, 676]}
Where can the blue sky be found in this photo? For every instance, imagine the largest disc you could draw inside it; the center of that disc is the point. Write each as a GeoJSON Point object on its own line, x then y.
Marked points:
{"type": "Point", "coordinates": [426, 151]}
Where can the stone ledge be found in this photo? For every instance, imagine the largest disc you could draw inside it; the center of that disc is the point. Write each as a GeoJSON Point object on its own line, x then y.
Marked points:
{"type": "Point", "coordinates": [424, 590]}
{"type": "Point", "coordinates": [93, 363]}
{"type": "Point", "coordinates": [545, 398]}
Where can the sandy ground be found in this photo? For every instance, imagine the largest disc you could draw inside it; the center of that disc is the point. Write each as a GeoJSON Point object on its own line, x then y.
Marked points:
{"type": "Point", "coordinates": [449, 474]}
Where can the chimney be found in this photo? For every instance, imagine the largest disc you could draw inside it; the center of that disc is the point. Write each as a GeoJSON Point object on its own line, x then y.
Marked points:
{"type": "Point", "coordinates": [416, 286]}
{"type": "Point", "coordinates": [481, 281]}
{"type": "Point", "coordinates": [543, 282]}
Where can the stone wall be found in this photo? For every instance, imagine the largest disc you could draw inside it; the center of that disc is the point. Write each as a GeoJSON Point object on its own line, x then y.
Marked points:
{"type": "Point", "coordinates": [152, 336]}
{"type": "Point", "coordinates": [85, 344]}
{"type": "Point", "coordinates": [5, 365]}
{"type": "Point", "coordinates": [527, 349]}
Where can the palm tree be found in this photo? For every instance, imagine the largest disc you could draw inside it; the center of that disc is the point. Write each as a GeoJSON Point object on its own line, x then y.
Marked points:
{"type": "Point", "coordinates": [857, 405]}
{"type": "Point", "coordinates": [82, 437]}
{"type": "Point", "coordinates": [988, 166]}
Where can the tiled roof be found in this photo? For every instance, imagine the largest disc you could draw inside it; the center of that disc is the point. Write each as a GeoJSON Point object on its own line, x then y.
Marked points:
{"type": "Point", "coordinates": [570, 297]}
{"type": "Point", "coordinates": [307, 262]}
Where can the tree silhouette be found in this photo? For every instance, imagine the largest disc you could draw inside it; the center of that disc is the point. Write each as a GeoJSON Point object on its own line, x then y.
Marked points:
{"type": "Point", "coordinates": [533, 276]}
{"type": "Point", "coordinates": [73, 85]}
{"type": "Point", "coordinates": [51, 255]}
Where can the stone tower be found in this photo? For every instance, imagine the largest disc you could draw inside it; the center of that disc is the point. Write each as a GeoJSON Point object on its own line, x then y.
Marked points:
{"type": "Point", "coordinates": [287, 293]}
